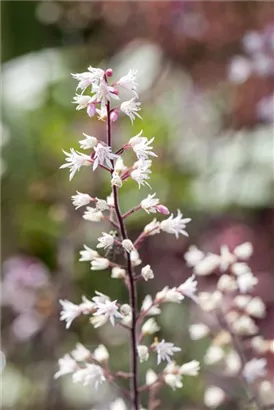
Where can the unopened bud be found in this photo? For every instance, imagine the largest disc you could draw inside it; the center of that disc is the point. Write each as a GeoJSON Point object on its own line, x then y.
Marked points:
{"type": "Point", "coordinates": [114, 116]}
{"type": "Point", "coordinates": [109, 72]}
{"type": "Point", "coordinates": [162, 209]}
{"type": "Point", "coordinates": [91, 109]}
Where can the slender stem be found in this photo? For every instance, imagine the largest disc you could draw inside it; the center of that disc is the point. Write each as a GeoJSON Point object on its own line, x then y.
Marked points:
{"type": "Point", "coordinates": [131, 211]}
{"type": "Point", "coordinates": [132, 286]}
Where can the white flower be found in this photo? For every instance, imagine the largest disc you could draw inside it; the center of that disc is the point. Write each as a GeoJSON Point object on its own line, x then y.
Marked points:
{"type": "Point", "coordinates": [213, 355]}
{"type": "Point", "coordinates": [128, 245]}
{"type": "Point", "coordinates": [254, 369]}
{"type": "Point", "coordinates": [148, 305]}
{"type": "Point", "coordinates": [246, 282]}
{"type": "Point", "coordinates": [198, 331]}
{"type": "Point", "coordinates": [150, 327]}
{"type": "Point", "coordinates": [108, 309]}
{"type": "Point", "coordinates": [164, 350]}
{"type": "Point", "coordinates": [241, 301]}
{"type": "Point", "coordinates": [105, 241]}
{"type": "Point", "coordinates": [189, 288]}
{"type": "Point", "coordinates": [207, 265]}
{"type": "Point", "coordinates": [213, 397]}
{"type": "Point", "coordinates": [259, 344]}
{"type": "Point", "coordinates": [110, 200]}
{"type": "Point", "coordinates": [190, 369]}
{"type": "Point", "coordinates": [244, 251]}
{"type": "Point", "coordinates": [141, 172]}
{"type": "Point", "coordinates": [150, 203]}
{"type": "Point", "coordinates": [135, 258]}
{"type": "Point", "coordinates": [131, 108]}
{"type": "Point", "coordinates": [175, 225]}
{"type": "Point", "coordinates": [75, 160]}
{"type": "Point", "coordinates": [66, 365]}
{"type": "Point", "coordinates": [118, 404]}
{"type": "Point", "coordinates": [99, 264]}
{"type": "Point", "coordinates": [256, 308]}
{"type": "Point", "coordinates": [101, 354]}
{"type": "Point", "coordinates": [87, 306]}
{"type": "Point", "coordinates": [239, 268]}
{"type": "Point", "coordinates": [120, 167]}
{"type": "Point", "coordinates": [116, 180]}
{"type": "Point", "coordinates": [173, 380]}
{"type": "Point", "coordinates": [80, 199]}
{"type": "Point", "coordinates": [80, 353]}
{"type": "Point", "coordinates": [227, 283]}
{"type": "Point", "coordinates": [143, 353]}
{"type": "Point", "coordinates": [101, 204]}
{"type": "Point", "coordinates": [147, 272]}
{"type": "Point", "coordinates": [118, 273]}
{"type": "Point", "coordinates": [226, 258]}
{"type": "Point", "coordinates": [244, 325]}
{"type": "Point", "coordinates": [88, 254]}
{"type": "Point", "coordinates": [103, 156]}
{"type": "Point", "coordinates": [193, 256]}
{"type": "Point", "coordinates": [169, 295]}
{"type": "Point", "coordinates": [88, 142]}
{"type": "Point", "coordinates": [93, 215]}
{"type": "Point", "coordinates": [69, 312]}
{"type": "Point", "coordinates": [210, 301]}
{"type": "Point", "coordinates": [151, 377]}
{"type": "Point", "coordinates": [142, 146]}
{"type": "Point", "coordinates": [232, 363]}
{"type": "Point", "coordinates": [98, 321]}
{"type": "Point", "coordinates": [128, 81]}
{"type": "Point", "coordinates": [94, 75]}
{"type": "Point", "coordinates": [240, 69]}
{"type": "Point", "coordinates": [82, 100]}
{"type": "Point", "coordinates": [152, 228]}
{"type": "Point", "coordinates": [103, 93]}
{"type": "Point", "coordinates": [90, 375]}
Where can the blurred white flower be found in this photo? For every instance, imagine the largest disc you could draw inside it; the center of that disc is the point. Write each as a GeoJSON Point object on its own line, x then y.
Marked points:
{"type": "Point", "coordinates": [69, 312]}
{"type": "Point", "coordinates": [118, 273]}
{"type": "Point", "coordinates": [193, 256]}
{"type": "Point", "coordinates": [150, 327]}
{"type": "Point", "coordinates": [240, 70]}
{"type": "Point", "coordinates": [190, 369]}
{"type": "Point", "coordinates": [246, 282]}
{"type": "Point", "coordinates": [66, 365]}
{"type": "Point", "coordinates": [207, 265]}
{"type": "Point", "coordinates": [80, 353]}
{"type": "Point", "coordinates": [244, 251]}
{"type": "Point", "coordinates": [75, 160]}
{"type": "Point", "coordinates": [226, 258]}
{"type": "Point", "coordinates": [150, 203]}
{"type": "Point", "coordinates": [88, 254]}
{"type": "Point", "coordinates": [128, 245]}
{"type": "Point", "coordinates": [175, 225]}
{"type": "Point", "coordinates": [256, 308]}
{"type": "Point", "coordinates": [213, 355]}
{"type": "Point", "coordinates": [128, 81]}
{"type": "Point", "coordinates": [151, 377]}
{"type": "Point", "coordinates": [90, 375]}
{"type": "Point", "coordinates": [105, 241]}
{"type": "Point", "coordinates": [101, 204]}
{"type": "Point", "coordinates": [89, 142]}
{"type": "Point", "coordinates": [232, 363]}
{"type": "Point", "coordinates": [99, 264]}
{"type": "Point", "coordinates": [147, 272]}
{"type": "Point", "coordinates": [152, 228]}
{"type": "Point", "coordinates": [254, 369]}
{"type": "Point", "coordinates": [173, 380]}
{"type": "Point", "coordinates": [239, 268]}
{"type": "Point", "coordinates": [189, 288]}
{"type": "Point", "coordinates": [148, 304]}
{"type": "Point", "coordinates": [141, 172]}
{"type": "Point", "coordinates": [198, 331]}
{"type": "Point", "coordinates": [165, 350]}
{"type": "Point", "coordinates": [80, 199]}
{"type": "Point", "coordinates": [213, 397]}
{"type": "Point", "coordinates": [169, 295]}
{"type": "Point", "coordinates": [143, 353]}
{"type": "Point", "coordinates": [93, 215]}
{"type": "Point", "coordinates": [227, 283]}
{"type": "Point", "coordinates": [210, 301]}
{"type": "Point", "coordinates": [101, 354]}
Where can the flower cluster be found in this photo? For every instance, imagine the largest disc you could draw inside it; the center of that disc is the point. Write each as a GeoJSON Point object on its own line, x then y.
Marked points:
{"type": "Point", "coordinates": [95, 94]}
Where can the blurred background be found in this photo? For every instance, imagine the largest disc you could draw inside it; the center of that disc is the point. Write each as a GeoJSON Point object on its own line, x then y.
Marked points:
{"type": "Point", "coordinates": [206, 76]}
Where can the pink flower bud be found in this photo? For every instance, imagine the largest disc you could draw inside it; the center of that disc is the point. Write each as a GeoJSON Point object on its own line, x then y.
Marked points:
{"type": "Point", "coordinates": [114, 116]}
{"type": "Point", "coordinates": [91, 109]}
{"type": "Point", "coordinates": [109, 72]}
{"type": "Point", "coordinates": [162, 209]}
{"type": "Point", "coordinates": [115, 91]}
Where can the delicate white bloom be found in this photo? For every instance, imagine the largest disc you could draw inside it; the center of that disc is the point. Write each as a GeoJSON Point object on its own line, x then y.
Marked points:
{"type": "Point", "coordinates": [102, 113]}
{"type": "Point", "coordinates": [103, 156]}
{"type": "Point", "coordinates": [126, 309]}
{"type": "Point", "coordinates": [89, 142]}
{"type": "Point", "coordinates": [213, 355]}
{"type": "Point", "coordinates": [256, 308]}
{"type": "Point", "coordinates": [80, 353]}
{"type": "Point", "coordinates": [141, 172]}
{"type": "Point", "coordinates": [82, 100]}
{"type": "Point", "coordinates": [198, 331]}
{"type": "Point", "coordinates": [190, 369]}
{"type": "Point", "coordinates": [90, 375]}
{"type": "Point", "coordinates": [110, 200]}
{"type": "Point", "coordinates": [210, 301]}
{"type": "Point", "coordinates": [150, 327]}
{"type": "Point", "coordinates": [165, 350]}
{"type": "Point", "coordinates": [75, 160]}
{"type": "Point", "coordinates": [254, 369]}
{"type": "Point", "coordinates": [244, 325]}
{"type": "Point", "coordinates": [266, 392]}
{"type": "Point", "coordinates": [87, 306]}
{"type": "Point", "coordinates": [142, 146]}
{"type": "Point", "coordinates": [152, 228]}
{"type": "Point", "coordinates": [80, 199]}
{"type": "Point", "coordinates": [232, 363]}
{"type": "Point", "coordinates": [118, 404]}
{"type": "Point", "coordinates": [66, 365]}
{"type": "Point", "coordinates": [135, 258]}
{"type": "Point", "coordinates": [189, 288]}
{"type": "Point", "coordinates": [239, 268]}
{"type": "Point", "coordinates": [259, 344]}
{"type": "Point", "coordinates": [240, 70]}
{"type": "Point", "coordinates": [207, 265]}
{"type": "Point", "coordinates": [101, 204]}
{"type": "Point", "coordinates": [173, 380]}
{"type": "Point", "coordinates": [150, 203]}
{"type": "Point", "coordinates": [147, 272]}
{"type": "Point", "coordinates": [131, 108]}
{"type": "Point", "coordinates": [169, 295]}
{"type": "Point", "coordinates": [128, 245]}
{"type": "Point", "coordinates": [193, 256]}
{"type": "Point", "coordinates": [93, 75]}
{"type": "Point", "coordinates": [118, 273]}
{"type": "Point", "coordinates": [148, 305]}
{"type": "Point", "coordinates": [143, 353]}
{"type": "Point", "coordinates": [151, 377]}
{"type": "Point", "coordinates": [101, 354]}
{"type": "Point", "coordinates": [128, 81]}
{"type": "Point", "coordinates": [241, 301]}
{"type": "Point", "coordinates": [99, 264]}
{"type": "Point", "coordinates": [98, 321]}
{"type": "Point", "coordinates": [109, 309]}
{"type": "Point", "coordinates": [69, 312]}
{"type": "Point", "coordinates": [244, 251]}
{"type": "Point", "coordinates": [175, 225]}
{"type": "Point", "coordinates": [227, 283]}
{"type": "Point", "coordinates": [213, 397]}
{"type": "Point", "coordinates": [120, 167]}
{"type": "Point", "coordinates": [88, 254]}
{"type": "Point", "coordinates": [116, 180]}
{"type": "Point", "coordinates": [103, 93]}
{"type": "Point", "coordinates": [246, 282]}
{"type": "Point", "coordinates": [226, 258]}
{"type": "Point", "coordinates": [105, 241]}
{"type": "Point", "coordinates": [93, 215]}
